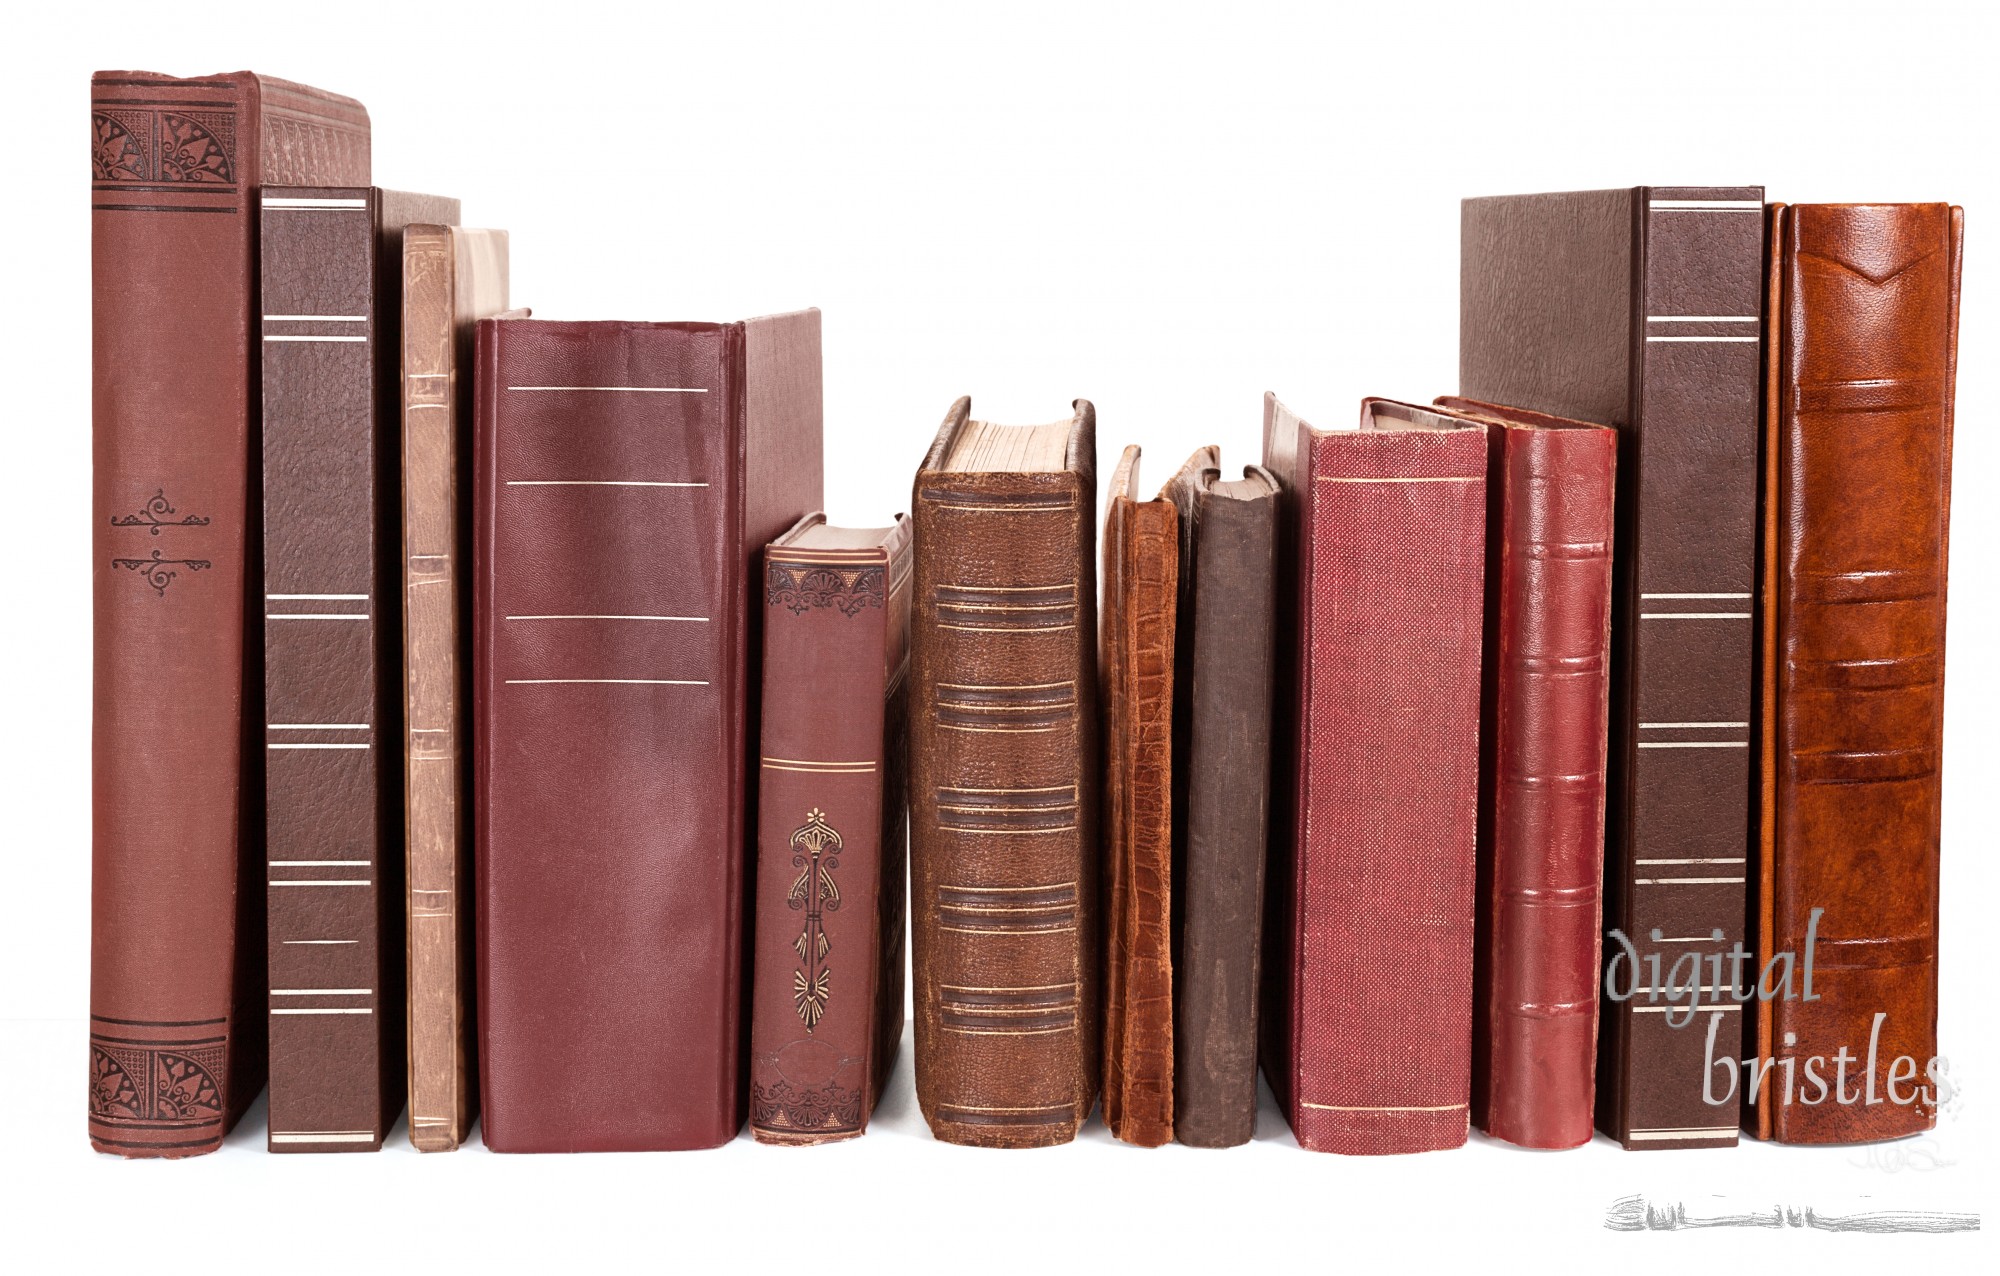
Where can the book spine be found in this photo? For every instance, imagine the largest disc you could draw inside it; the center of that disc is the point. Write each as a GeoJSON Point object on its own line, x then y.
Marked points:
{"type": "Point", "coordinates": [1003, 846]}
{"type": "Point", "coordinates": [176, 974]}
{"type": "Point", "coordinates": [1546, 692]}
{"type": "Point", "coordinates": [1390, 597]}
{"type": "Point", "coordinates": [1860, 445]}
{"type": "Point", "coordinates": [1677, 845]}
{"type": "Point", "coordinates": [832, 660]}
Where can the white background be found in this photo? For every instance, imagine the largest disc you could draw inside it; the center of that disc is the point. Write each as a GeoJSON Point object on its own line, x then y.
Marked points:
{"type": "Point", "coordinates": [1166, 212]}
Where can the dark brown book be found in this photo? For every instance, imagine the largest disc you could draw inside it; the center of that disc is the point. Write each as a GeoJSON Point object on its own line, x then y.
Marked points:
{"type": "Point", "coordinates": [1004, 860]}
{"type": "Point", "coordinates": [1141, 592]}
{"type": "Point", "coordinates": [177, 1028]}
{"type": "Point", "coordinates": [332, 270]}
{"type": "Point", "coordinates": [627, 479]}
{"type": "Point", "coordinates": [1222, 780]}
{"type": "Point", "coordinates": [451, 279]}
{"type": "Point", "coordinates": [826, 993]}
{"type": "Point", "coordinates": [1640, 309]}
{"type": "Point", "coordinates": [1864, 359]}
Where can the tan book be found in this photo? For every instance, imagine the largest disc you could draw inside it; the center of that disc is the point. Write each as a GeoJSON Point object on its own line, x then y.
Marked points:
{"type": "Point", "coordinates": [451, 277]}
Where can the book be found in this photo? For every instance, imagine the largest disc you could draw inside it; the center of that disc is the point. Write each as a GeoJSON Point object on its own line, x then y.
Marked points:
{"type": "Point", "coordinates": [1639, 309]}
{"type": "Point", "coordinates": [1004, 779]}
{"type": "Point", "coordinates": [177, 1023]}
{"type": "Point", "coordinates": [1545, 686]}
{"type": "Point", "coordinates": [1864, 307]}
{"type": "Point", "coordinates": [1141, 593]}
{"type": "Point", "coordinates": [330, 259]}
{"type": "Point", "coordinates": [627, 477]}
{"type": "Point", "coordinates": [826, 999]}
{"type": "Point", "coordinates": [451, 279]}
{"type": "Point", "coordinates": [1223, 648]}
{"type": "Point", "coordinates": [1367, 1036]}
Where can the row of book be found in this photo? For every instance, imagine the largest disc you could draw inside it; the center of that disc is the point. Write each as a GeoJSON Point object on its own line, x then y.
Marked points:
{"type": "Point", "coordinates": [485, 714]}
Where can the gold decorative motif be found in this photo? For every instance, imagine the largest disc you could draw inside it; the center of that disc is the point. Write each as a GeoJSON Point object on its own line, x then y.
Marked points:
{"type": "Point", "coordinates": [815, 853]}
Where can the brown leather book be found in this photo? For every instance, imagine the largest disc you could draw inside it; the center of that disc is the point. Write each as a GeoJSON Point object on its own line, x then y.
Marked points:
{"type": "Point", "coordinates": [1003, 781]}
{"type": "Point", "coordinates": [451, 279]}
{"type": "Point", "coordinates": [1367, 1034]}
{"type": "Point", "coordinates": [1222, 784]}
{"type": "Point", "coordinates": [1640, 309]}
{"type": "Point", "coordinates": [1545, 686]}
{"type": "Point", "coordinates": [1141, 593]}
{"type": "Point", "coordinates": [331, 263]}
{"type": "Point", "coordinates": [1863, 364]}
{"type": "Point", "coordinates": [627, 479]}
{"type": "Point", "coordinates": [177, 1025]}
{"type": "Point", "coordinates": [826, 999]}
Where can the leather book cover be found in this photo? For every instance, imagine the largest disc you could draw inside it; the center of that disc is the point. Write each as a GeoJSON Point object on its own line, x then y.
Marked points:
{"type": "Point", "coordinates": [1004, 858]}
{"type": "Point", "coordinates": [331, 265]}
{"type": "Point", "coordinates": [1640, 309]}
{"type": "Point", "coordinates": [627, 479]}
{"type": "Point", "coordinates": [1223, 650]}
{"type": "Point", "coordinates": [1368, 1035]}
{"type": "Point", "coordinates": [451, 279]}
{"type": "Point", "coordinates": [177, 1024]}
{"type": "Point", "coordinates": [1141, 595]}
{"type": "Point", "coordinates": [1545, 687]}
{"type": "Point", "coordinates": [1864, 350]}
{"type": "Point", "coordinates": [826, 993]}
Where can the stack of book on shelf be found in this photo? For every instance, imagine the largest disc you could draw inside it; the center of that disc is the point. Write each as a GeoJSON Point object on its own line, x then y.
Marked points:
{"type": "Point", "coordinates": [487, 716]}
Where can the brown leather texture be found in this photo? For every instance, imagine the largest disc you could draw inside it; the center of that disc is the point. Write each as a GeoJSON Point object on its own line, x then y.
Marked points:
{"type": "Point", "coordinates": [1369, 1024]}
{"type": "Point", "coordinates": [331, 264]}
{"type": "Point", "coordinates": [1223, 648]}
{"type": "Point", "coordinates": [826, 992]}
{"type": "Point", "coordinates": [1545, 686]}
{"type": "Point", "coordinates": [1141, 595]}
{"type": "Point", "coordinates": [177, 991]}
{"type": "Point", "coordinates": [1004, 857]}
{"type": "Point", "coordinates": [627, 479]}
{"type": "Point", "coordinates": [1863, 360]}
{"type": "Point", "coordinates": [451, 279]}
{"type": "Point", "coordinates": [1639, 309]}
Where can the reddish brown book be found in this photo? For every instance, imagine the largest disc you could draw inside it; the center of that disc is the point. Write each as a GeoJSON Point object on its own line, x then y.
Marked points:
{"type": "Point", "coordinates": [627, 479]}
{"type": "Point", "coordinates": [826, 999]}
{"type": "Point", "coordinates": [331, 263]}
{"type": "Point", "coordinates": [1368, 1031]}
{"type": "Point", "coordinates": [177, 1028]}
{"type": "Point", "coordinates": [1544, 694]}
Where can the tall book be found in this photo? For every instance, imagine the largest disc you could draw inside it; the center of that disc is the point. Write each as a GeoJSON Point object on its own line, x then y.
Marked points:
{"type": "Point", "coordinates": [1857, 486]}
{"type": "Point", "coordinates": [1222, 772]}
{"type": "Point", "coordinates": [1545, 687]}
{"type": "Point", "coordinates": [331, 264]}
{"type": "Point", "coordinates": [177, 1025]}
{"type": "Point", "coordinates": [1141, 594]}
{"type": "Point", "coordinates": [826, 993]}
{"type": "Point", "coordinates": [451, 279]}
{"type": "Point", "coordinates": [1003, 781]}
{"type": "Point", "coordinates": [627, 479]}
{"type": "Point", "coordinates": [1367, 1037]}
{"type": "Point", "coordinates": [1640, 309]}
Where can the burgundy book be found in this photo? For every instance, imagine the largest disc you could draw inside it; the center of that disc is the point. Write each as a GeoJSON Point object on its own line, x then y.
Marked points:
{"type": "Point", "coordinates": [177, 1045]}
{"type": "Point", "coordinates": [627, 477]}
{"type": "Point", "coordinates": [331, 264]}
{"type": "Point", "coordinates": [1368, 1029]}
{"type": "Point", "coordinates": [826, 993]}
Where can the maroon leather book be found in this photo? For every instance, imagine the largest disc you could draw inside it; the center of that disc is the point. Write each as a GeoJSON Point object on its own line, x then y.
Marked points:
{"type": "Point", "coordinates": [177, 1046]}
{"type": "Point", "coordinates": [627, 477]}
{"type": "Point", "coordinates": [826, 1000]}
{"type": "Point", "coordinates": [1367, 1036]}
{"type": "Point", "coordinates": [331, 264]}
{"type": "Point", "coordinates": [1545, 689]}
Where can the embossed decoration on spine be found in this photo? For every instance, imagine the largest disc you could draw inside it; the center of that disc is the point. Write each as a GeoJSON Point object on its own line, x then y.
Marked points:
{"type": "Point", "coordinates": [191, 148]}
{"type": "Point", "coordinates": [156, 569]}
{"type": "Point", "coordinates": [157, 513]}
{"type": "Point", "coordinates": [827, 1109]}
{"type": "Point", "coordinates": [816, 854]}
{"type": "Point", "coordinates": [156, 1083]}
{"type": "Point", "coordinates": [800, 587]}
